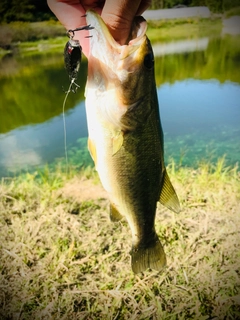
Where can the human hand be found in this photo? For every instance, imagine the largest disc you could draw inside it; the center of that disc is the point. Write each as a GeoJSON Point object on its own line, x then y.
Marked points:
{"type": "Point", "coordinates": [118, 16]}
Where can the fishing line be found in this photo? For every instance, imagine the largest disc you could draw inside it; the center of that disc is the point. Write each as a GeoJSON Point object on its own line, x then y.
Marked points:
{"type": "Point", "coordinates": [72, 60]}
{"type": "Point", "coordinates": [64, 118]}
{"type": "Point", "coordinates": [64, 124]}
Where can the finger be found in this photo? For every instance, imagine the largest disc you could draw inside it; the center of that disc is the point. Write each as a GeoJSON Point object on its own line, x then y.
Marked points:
{"type": "Point", "coordinates": [71, 15]}
{"type": "Point", "coordinates": [118, 16]}
{"type": "Point", "coordinates": [143, 6]}
{"type": "Point", "coordinates": [96, 5]}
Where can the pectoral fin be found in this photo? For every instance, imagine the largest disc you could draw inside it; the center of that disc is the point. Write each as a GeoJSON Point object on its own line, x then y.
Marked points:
{"type": "Point", "coordinates": [168, 196]}
{"type": "Point", "coordinates": [117, 142]}
{"type": "Point", "coordinates": [114, 213]}
{"type": "Point", "coordinates": [92, 150]}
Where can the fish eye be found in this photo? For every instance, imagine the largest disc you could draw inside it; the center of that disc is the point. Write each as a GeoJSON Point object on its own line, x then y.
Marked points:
{"type": "Point", "coordinates": [149, 61]}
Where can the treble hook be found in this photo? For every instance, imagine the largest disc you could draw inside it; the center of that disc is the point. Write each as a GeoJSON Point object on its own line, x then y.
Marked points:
{"type": "Point", "coordinates": [71, 32]}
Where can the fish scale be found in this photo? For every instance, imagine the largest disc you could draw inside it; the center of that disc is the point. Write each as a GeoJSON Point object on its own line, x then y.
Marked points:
{"type": "Point", "coordinates": [126, 138]}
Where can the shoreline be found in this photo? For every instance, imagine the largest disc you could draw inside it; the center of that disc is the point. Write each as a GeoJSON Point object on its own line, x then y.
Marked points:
{"type": "Point", "coordinates": [49, 35]}
{"type": "Point", "coordinates": [61, 256]}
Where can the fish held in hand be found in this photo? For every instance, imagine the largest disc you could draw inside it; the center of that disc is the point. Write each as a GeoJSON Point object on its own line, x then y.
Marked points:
{"type": "Point", "coordinates": [125, 136]}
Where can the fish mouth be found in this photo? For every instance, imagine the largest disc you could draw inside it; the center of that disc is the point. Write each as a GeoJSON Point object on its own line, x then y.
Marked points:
{"type": "Point", "coordinates": [106, 49]}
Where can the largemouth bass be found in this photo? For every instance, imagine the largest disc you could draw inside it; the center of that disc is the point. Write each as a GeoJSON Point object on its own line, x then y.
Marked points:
{"type": "Point", "coordinates": [125, 135]}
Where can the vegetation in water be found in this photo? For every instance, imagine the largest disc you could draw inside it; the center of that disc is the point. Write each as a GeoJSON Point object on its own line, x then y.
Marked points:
{"type": "Point", "coordinates": [62, 258]}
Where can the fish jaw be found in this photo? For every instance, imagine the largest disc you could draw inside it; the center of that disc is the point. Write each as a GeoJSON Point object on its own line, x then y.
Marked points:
{"type": "Point", "coordinates": [112, 73]}
{"type": "Point", "coordinates": [114, 61]}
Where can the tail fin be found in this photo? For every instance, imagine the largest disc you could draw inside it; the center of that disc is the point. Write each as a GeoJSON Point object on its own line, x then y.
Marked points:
{"type": "Point", "coordinates": [152, 257]}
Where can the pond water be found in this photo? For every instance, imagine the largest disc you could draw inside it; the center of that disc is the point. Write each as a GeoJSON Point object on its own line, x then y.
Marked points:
{"type": "Point", "coordinates": [198, 85]}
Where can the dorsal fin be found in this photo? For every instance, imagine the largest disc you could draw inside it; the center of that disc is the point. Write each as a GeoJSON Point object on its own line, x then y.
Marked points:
{"type": "Point", "coordinates": [168, 196]}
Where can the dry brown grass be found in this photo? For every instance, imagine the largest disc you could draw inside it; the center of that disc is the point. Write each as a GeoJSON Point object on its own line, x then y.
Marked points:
{"type": "Point", "coordinates": [62, 258]}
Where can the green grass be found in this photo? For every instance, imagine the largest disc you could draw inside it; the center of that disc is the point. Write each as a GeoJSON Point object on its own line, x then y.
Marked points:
{"type": "Point", "coordinates": [62, 258]}
{"type": "Point", "coordinates": [232, 12]}
{"type": "Point", "coordinates": [169, 30]}
{"type": "Point", "coordinates": [43, 45]}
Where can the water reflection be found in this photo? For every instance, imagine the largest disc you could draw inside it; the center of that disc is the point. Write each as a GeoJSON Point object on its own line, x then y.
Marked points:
{"type": "Point", "coordinates": [199, 96]}
{"type": "Point", "coordinates": [38, 144]}
{"type": "Point", "coordinates": [181, 46]}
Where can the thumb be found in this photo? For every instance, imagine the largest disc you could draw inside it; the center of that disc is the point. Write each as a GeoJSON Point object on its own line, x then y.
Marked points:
{"type": "Point", "coordinates": [118, 16]}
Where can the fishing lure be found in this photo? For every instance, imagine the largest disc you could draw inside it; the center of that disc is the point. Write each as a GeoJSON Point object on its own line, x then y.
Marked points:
{"type": "Point", "coordinates": [72, 60]}
{"type": "Point", "coordinates": [73, 56]}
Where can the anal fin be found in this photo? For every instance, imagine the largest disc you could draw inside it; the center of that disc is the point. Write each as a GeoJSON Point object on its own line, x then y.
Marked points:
{"type": "Point", "coordinates": [168, 196]}
{"type": "Point", "coordinates": [117, 142]}
{"type": "Point", "coordinates": [114, 213]}
{"type": "Point", "coordinates": [92, 150]}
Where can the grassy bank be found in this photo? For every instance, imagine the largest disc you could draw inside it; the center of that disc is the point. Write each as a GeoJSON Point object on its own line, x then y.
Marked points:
{"type": "Point", "coordinates": [22, 36]}
{"type": "Point", "coordinates": [62, 258]}
{"type": "Point", "coordinates": [15, 33]}
{"type": "Point", "coordinates": [44, 36]}
{"type": "Point", "coordinates": [177, 29]}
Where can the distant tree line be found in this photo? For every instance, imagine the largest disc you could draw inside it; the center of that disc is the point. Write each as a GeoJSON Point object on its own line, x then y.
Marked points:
{"type": "Point", "coordinates": [38, 10]}
{"type": "Point", "coordinates": [24, 10]}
